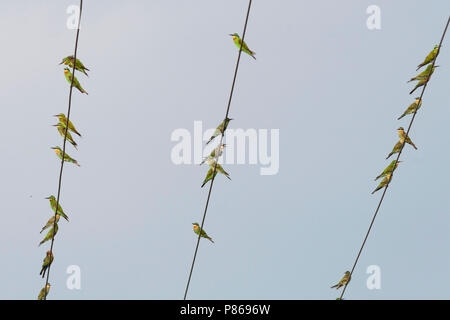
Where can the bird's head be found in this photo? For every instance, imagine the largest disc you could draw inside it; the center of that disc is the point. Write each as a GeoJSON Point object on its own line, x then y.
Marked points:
{"type": "Point", "coordinates": [347, 273]}
{"type": "Point", "coordinates": [195, 225]}
{"type": "Point", "coordinates": [234, 35]}
{"type": "Point", "coordinates": [57, 149]}
{"type": "Point", "coordinates": [401, 129]}
{"type": "Point", "coordinates": [66, 70]}
{"type": "Point", "coordinates": [59, 115]}
{"type": "Point", "coordinates": [51, 198]}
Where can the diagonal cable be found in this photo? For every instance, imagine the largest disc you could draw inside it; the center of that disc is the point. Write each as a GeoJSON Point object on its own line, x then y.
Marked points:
{"type": "Point", "coordinates": [216, 160]}
{"type": "Point", "coordinates": [64, 145]}
{"type": "Point", "coordinates": [396, 161]}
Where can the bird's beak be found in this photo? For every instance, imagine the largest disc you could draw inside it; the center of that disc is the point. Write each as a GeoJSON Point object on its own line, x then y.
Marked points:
{"type": "Point", "coordinates": [230, 34]}
{"type": "Point", "coordinates": [47, 198]}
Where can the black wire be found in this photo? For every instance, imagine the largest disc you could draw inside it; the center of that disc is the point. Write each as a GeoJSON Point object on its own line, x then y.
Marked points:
{"type": "Point", "coordinates": [216, 160]}
{"type": "Point", "coordinates": [396, 161]}
{"type": "Point", "coordinates": [64, 145]}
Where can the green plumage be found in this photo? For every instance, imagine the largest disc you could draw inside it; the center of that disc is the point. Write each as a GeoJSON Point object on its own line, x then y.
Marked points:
{"type": "Point", "coordinates": [404, 138]}
{"type": "Point", "coordinates": [237, 41]}
{"type": "Point", "coordinates": [220, 129]}
{"type": "Point", "coordinates": [389, 169]}
{"type": "Point", "coordinates": [211, 174]}
{"type": "Point", "coordinates": [203, 232]}
{"type": "Point", "coordinates": [67, 158]}
{"type": "Point", "coordinates": [215, 154]}
{"type": "Point", "coordinates": [425, 74]}
{"type": "Point", "coordinates": [413, 107]}
{"type": "Point", "coordinates": [61, 212]}
{"type": "Point", "coordinates": [62, 131]}
{"type": "Point", "coordinates": [429, 58]}
{"type": "Point", "coordinates": [396, 149]}
{"type": "Point", "coordinates": [51, 222]}
{"type": "Point", "coordinates": [383, 182]}
{"type": "Point", "coordinates": [419, 84]}
{"type": "Point", "coordinates": [62, 118]}
{"type": "Point", "coordinates": [68, 61]}
{"type": "Point", "coordinates": [44, 292]}
{"type": "Point", "coordinates": [50, 234]}
{"type": "Point", "coordinates": [76, 83]}
{"type": "Point", "coordinates": [345, 279]}
{"type": "Point", "coordinates": [47, 262]}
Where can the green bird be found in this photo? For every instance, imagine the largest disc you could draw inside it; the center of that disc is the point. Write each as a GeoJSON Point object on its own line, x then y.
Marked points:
{"type": "Point", "coordinates": [67, 158]}
{"type": "Point", "coordinates": [430, 57]}
{"type": "Point", "coordinates": [62, 118]}
{"type": "Point", "coordinates": [383, 182]}
{"type": "Point", "coordinates": [403, 137]}
{"type": "Point", "coordinates": [398, 146]}
{"type": "Point", "coordinates": [49, 235]}
{"type": "Point", "coordinates": [215, 154]}
{"type": "Point", "coordinates": [62, 131]}
{"type": "Point", "coordinates": [345, 279]}
{"type": "Point", "coordinates": [68, 61]}
{"type": "Point", "coordinates": [389, 168]}
{"type": "Point", "coordinates": [52, 200]}
{"type": "Point", "coordinates": [76, 84]}
{"type": "Point", "coordinates": [220, 129]}
{"type": "Point", "coordinates": [44, 292]}
{"type": "Point", "coordinates": [237, 41]}
{"type": "Point", "coordinates": [202, 232]}
{"type": "Point", "coordinates": [428, 72]}
{"type": "Point", "coordinates": [211, 174]}
{"type": "Point", "coordinates": [413, 107]}
{"type": "Point", "coordinates": [47, 262]}
{"type": "Point", "coordinates": [419, 84]}
{"type": "Point", "coordinates": [51, 222]}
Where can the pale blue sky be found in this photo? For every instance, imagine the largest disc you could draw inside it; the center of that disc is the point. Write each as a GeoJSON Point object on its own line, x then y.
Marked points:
{"type": "Point", "coordinates": [332, 87]}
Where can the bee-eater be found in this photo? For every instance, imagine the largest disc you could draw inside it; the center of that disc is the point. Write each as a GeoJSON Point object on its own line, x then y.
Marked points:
{"type": "Point", "coordinates": [52, 200]}
{"type": "Point", "coordinates": [398, 146]}
{"type": "Point", "coordinates": [383, 182]}
{"type": "Point", "coordinates": [67, 158]}
{"type": "Point", "coordinates": [413, 107]}
{"type": "Point", "coordinates": [202, 232]}
{"type": "Point", "coordinates": [211, 173]}
{"type": "Point", "coordinates": [47, 262]}
{"type": "Point", "coordinates": [76, 84]}
{"type": "Point", "coordinates": [390, 168]}
{"type": "Point", "coordinates": [49, 235]}
{"type": "Point", "coordinates": [68, 61]}
{"type": "Point", "coordinates": [51, 222]}
{"type": "Point", "coordinates": [420, 84]}
{"type": "Point", "coordinates": [237, 41]}
{"type": "Point", "coordinates": [345, 279]}
{"type": "Point", "coordinates": [220, 129]}
{"type": "Point", "coordinates": [62, 131]}
{"type": "Point", "coordinates": [44, 292]}
{"type": "Point", "coordinates": [403, 137]}
{"type": "Point", "coordinates": [215, 154]}
{"type": "Point", "coordinates": [62, 118]}
{"type": "Point", "coordinates": [430, 57]}
{"type": "Point", "coordinates": [424, 74]}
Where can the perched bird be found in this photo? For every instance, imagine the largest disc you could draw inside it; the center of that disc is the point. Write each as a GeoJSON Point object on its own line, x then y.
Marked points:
{"type": "Point", "coordinates": [220, 129]}
{"type": "Point", "coordinates": [345, 279]}
{"type": "Point", "coordinates": [68, 61]}
{"type": "Point", "coordinates": [420, 84]}
{"type": "Point", "coordinates": [51, 222]}
{"type": "Point", "coordinates": [52, 200]}
{"type": "Point", "coordinates": [413, 107]}
{"type": "Point", "coordinates": [403, 137]}
{"type": "Point", "coordinates": [47, 262]}
{"type": "Point", "coordinates": [211, 174]}
{"type": "Point", "coordinates": [62, 131]}
{"type": "Point", "coordinates": [383, 182]}
{"type": "Point", "coordinates": [428, 72]}
{"type": "Point", "coordinates": [49, 235]}
{"type": "Point", "coordinates": [67, 158]}
{"type": "Point", "coordinates": [44, 292]}
{"type": "Point", "coordinates": [390, 168]}
{"type": "Point", "coordinates": [430, 57]}
{"type": "Point", "coordinates": [202, 232]}
{"type": "Point", "coordinates": [62, 118]}
{"type": "Point", "coordinates": [237, 41]}
{"type": "Point", "coordinates": [215, 154]}
{"type": "Point", "coordinates": [398, 146]}
{"type": "Point", "coordinates": [76, 84]}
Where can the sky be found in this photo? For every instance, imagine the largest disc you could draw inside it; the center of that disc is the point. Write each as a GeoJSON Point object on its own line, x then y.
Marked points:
{"type": "Point", "coordinates": [331, 87]}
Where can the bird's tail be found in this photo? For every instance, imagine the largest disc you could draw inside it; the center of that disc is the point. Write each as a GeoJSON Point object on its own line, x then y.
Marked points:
{"type": "Point", "coordinates": [390, 154]}
{"type": "Point", "coordinates": [413, 90]}
{"type": "Point", "coordinates": [77, 164]}
{"type": "Point", "coordinates": [401, 116]}
{"type": "Point", "coordinates": [210, 239]}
